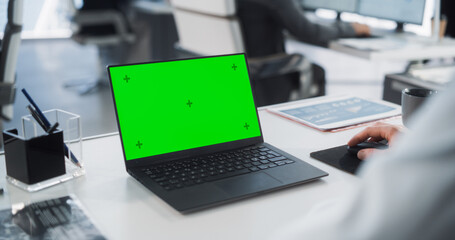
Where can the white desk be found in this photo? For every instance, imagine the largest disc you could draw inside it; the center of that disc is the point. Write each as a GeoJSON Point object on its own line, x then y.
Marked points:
{"type": "Point", "coordinates": [417, 49]}
{"type": "Point", "coordinates": [123, 209]}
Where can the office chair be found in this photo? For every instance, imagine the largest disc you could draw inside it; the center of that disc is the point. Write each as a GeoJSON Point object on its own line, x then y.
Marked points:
{"type": "Point", "coordinates": [211, 27]}
{"type": "Point", "coordinates": [8, 58]}
{"type": "Point", "coordinates": [447, 9]}
{"type": "Point", "coordinates": [109, 30]}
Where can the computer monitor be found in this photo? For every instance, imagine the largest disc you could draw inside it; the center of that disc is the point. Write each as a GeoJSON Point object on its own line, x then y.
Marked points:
{"type": "Point", "coordinates": [401, 11]}
{"type": "Point", "coordinates": [336, 5]}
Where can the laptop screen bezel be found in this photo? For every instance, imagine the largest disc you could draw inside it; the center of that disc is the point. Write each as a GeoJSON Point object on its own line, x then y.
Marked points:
{"type": "Point", "coordinates": [188, 153]}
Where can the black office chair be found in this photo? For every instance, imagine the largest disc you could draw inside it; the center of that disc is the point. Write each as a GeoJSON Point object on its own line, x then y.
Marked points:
{"type": "Point", "coordinates": [276, 78]}
{"type": "Point", "coordinates": [8, 58]}
{"type": "Point", "coordinates": [447, 9]}
{"type": "Point", "coordinates": [263, 37]}
{"type": "Point", "coordinates": [110, 31]}
{"type": "Point", "coordinates": [212, 27]}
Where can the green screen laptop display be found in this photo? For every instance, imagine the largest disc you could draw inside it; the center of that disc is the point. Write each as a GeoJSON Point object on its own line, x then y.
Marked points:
{"type": "Point", "coordinates": [172, 106]}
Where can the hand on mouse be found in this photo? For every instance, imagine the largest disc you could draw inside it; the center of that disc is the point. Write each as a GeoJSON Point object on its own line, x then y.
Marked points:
{"type": "Point", "coordinates": [361, 29]}
{"type": "Point", "coordinates": [375, 133]}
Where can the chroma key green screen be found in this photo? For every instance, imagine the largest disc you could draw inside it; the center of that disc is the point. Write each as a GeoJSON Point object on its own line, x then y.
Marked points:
{"type": "Point", "coordinates": [172, 106]}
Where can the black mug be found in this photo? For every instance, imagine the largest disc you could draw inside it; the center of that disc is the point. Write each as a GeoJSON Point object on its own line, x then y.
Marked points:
{"type": "Point", "coordinates": [411, 100]}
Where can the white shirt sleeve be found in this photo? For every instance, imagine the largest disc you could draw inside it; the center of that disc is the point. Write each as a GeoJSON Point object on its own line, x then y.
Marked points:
{"type": "Point", "coordinates": [408, 193]}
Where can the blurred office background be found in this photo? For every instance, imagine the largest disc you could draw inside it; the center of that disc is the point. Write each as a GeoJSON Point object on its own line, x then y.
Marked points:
{"type": "Point", "coordinates": [60, 71]}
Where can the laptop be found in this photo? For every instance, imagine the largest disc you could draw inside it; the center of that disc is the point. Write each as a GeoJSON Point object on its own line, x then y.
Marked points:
{"type": "Point", "coordinates": [190, 133]}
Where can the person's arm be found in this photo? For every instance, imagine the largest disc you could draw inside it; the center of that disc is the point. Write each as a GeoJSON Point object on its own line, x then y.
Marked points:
{"type": "Point", "coordinates": [291, 15]}
{"type": "Point", "coordinates": [407, 193]}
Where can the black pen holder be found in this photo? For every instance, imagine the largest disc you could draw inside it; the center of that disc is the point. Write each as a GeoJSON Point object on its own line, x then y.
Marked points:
{"type": "Point", "coordinates": [36, 159]}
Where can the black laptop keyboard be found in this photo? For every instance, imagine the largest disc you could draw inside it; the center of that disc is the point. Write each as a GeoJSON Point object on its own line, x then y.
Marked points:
{"type": "Point", "coordinates": [179, 174]}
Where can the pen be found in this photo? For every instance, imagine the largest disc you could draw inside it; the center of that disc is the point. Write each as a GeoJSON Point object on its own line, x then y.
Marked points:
{"type": "Point", "coordinates": [46, 125]}
{"type": "Point", "coordinates": [35, 115]}
{"type": "Point", "coordinates": [52, 129]}
{"type": "Point", "coordinates": [41, 115]}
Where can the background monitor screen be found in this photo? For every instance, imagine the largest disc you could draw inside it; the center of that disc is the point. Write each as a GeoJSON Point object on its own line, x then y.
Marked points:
{"type": "Point", "coordinates": [404, 11]}
{"type": "Point", "coordinates": [166, 107]}
{"type": "Point", "coordinates": [336, 5]}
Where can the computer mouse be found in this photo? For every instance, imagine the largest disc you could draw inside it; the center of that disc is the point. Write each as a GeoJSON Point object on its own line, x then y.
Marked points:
{"type": "Point", "coordinates": [355, 149]}
{"type": "Point", "coordinates": [367, 36]}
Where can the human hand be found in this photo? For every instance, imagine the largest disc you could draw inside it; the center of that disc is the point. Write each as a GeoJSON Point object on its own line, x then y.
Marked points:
{"type": "Point", "coordinates": [361, 29]}
{"type": "Point", "coordinates": [375, 133]}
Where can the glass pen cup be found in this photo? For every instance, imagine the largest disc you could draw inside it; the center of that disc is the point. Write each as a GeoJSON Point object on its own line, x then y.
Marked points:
{"type": "Point", "coordinates": [70, 124]}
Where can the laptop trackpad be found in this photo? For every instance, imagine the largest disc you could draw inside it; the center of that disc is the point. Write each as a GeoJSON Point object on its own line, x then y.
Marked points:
{"type": "Point", "coordinates": [248, 183]}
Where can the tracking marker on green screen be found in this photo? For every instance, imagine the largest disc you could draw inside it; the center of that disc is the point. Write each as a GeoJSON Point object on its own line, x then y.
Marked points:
{"type": "Point", "coordinates": [184, 104]}
{"type": "Point", "coordinates": [189, 103]}
{"type": "Point", "coordinates": [126, 78]}
{"type": "Point", "coordinates": [139, 144]}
